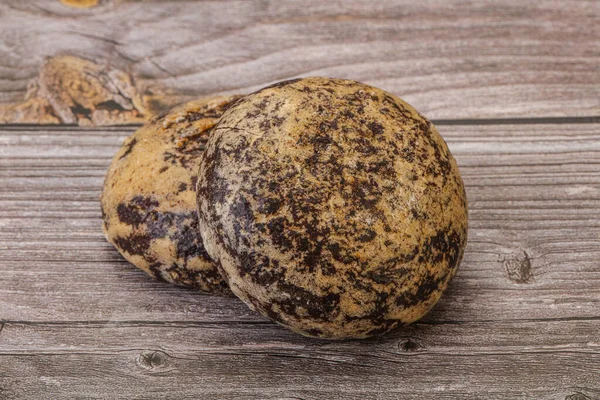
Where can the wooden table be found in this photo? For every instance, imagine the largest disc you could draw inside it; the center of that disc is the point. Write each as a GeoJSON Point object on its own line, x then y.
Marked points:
{"type": "Point", "coordinates": [514, 87]}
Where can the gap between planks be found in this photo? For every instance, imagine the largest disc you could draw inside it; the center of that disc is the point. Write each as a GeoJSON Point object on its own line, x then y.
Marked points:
{"type": "Point", "coordinates": [195, 324]}
{"type": "Point", "coordinates": [441, 122]}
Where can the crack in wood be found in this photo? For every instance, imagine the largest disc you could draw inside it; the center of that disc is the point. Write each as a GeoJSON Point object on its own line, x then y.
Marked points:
{"type": "Point", "coordinates": [578, 396]}
{"type": "Point", "coordinates": [194, 324]}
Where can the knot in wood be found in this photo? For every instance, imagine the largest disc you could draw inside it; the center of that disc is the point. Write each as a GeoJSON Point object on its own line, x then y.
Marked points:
{"type": "Point", "coordinates": [410, 345]}
{"type": "Point", "coordinates": [518, 267]}
{"type": "Point", "coordinates": [152, 360]}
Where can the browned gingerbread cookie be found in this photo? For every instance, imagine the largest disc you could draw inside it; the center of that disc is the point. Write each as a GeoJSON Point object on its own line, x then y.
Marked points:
{"type": "Point", "coordinates": [333, 207]}
{"type": "Point", "coordinates": [148, 201]}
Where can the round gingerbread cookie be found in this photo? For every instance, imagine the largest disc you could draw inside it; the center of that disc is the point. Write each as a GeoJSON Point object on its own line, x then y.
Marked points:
{"type": "Point", "coordinates": [333, 207]}
{"type": "Point", "coordinates": [148, 201]}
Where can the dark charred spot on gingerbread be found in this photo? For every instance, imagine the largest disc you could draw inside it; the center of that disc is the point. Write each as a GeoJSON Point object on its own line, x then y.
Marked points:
{"type": "Point", "coordinates": [302, 301]}
{"type": "Point", "coordinates": [194, 179]}
{"type": "Point", "coordinates": [348, 114]}
{"type": "Point", "coordinates": [136, 210]}
{"type": "Point", "coordinates": [155, 271]}
{"type": "Point", "coordinates": [277, 107]}
{"type": "Point", "coordinates": [428, 285]}
{"type": "Point", "coordinates": [265, 124]}
{"type": "Point", "coordinates": [128, 148]}
{"type": "Point", "coordinates": [384, 167]}
{"type": "Point", "coordinates": [327, 268]}
{"type": "Point", "coordinates": [188, 242]}
{"type": "Point", "coordinates": [388, 274]}
{"type": "Point", "coordinates": [269, 205]}
{"type": "Point", "coordinates": [381, 306]}
{"type": "Point", "coordinates": [203, 280]}
{"type": "Point", "coordinates": [456, 242]}
{"type": "Point", "coordinates": [163, 169]}
{"type": "Point", "coordinates": [135, 244]}
{"type": "Point", "coordinates": [214, 189]}
{"type": "Point", "coordinates": [367, 236]}
{"type": "Point", "coordinates": [408, 154]}
{"type": "Point", "coordinates": [313, 255]}
{"type": "Point", "coordinates": [169, 157]}
{"type": "Point", "coordinates": [314, 332]}
{"type": "Point", "coordinates": [277, 121]}
{"type": "Point", "coordinates": [365, 147]}
{"type": "Point", "coordinates": [149, 224]}
{"type": "Point", "coordinates": [445, 166]}
{"type": "Point", "coordinates": [253, 114]}
{"type": "Point", "coordinates": [417, 214]}
{"type": "Point", "coordinates": [259, 268]}
{"type": "Point", "coordinates": [213, 280]}
{"type": "Point", "coordinates": [182, 187]}
{"type": "Point", "coordinates": [269, 310]}
{"type": "Point", "coordinates": [375, 127]}
{"type": "Point", "coordinates": [184, 276]}
{"type": "Point", "coordinates": [277, 231]}
{"type": "Point", "coordinates": [442, 246]}
{"type": "Point", "coordinates": [242, 211]}
{"type": "Point", "coordinates": [334, 124]}
{"type": "Point", "coordinates": [341, 253]}
{"type": "Point", "coordinates": [193, 116]}
{"type": "Point", "coordinates": [263, 104]}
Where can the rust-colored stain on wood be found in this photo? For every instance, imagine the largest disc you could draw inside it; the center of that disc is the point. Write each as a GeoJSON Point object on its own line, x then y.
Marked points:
{"type": "Point", "coordinates": [73, 90]}
{"type": "Point", "coordinates": [80, 3]}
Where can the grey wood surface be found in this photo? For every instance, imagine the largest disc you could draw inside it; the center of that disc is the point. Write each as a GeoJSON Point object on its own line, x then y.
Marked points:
{"type": "Point", "coordinates": [520, 319]}
{"type": "Point", "coordinates": [449, 58]}
{"type": "Point", "coordinates": [514, 88]}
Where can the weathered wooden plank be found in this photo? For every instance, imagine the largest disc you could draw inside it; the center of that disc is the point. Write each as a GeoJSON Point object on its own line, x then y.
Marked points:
{"type": "Point", "coordinates": [542, 359]}
{"type": "Point", "coordinates": [449, 59]}
{"type": "Point", "coordinates": [266, 375]}
{"type": "Point", "coordinates": [464, 338]}
{"type": "Point", "coordinates": [534, 193]}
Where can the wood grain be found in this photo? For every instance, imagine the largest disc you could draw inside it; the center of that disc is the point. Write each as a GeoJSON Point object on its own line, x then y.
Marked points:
{"type": "Point", "coordinates": [520, 320]}
{"type": "Point", "coordinates": [263, 361]}
{"type": "Point", "coordinates": [450, 59]}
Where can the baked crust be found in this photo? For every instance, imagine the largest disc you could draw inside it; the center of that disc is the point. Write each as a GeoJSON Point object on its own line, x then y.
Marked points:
{"type": "Point", "coordinates": [333, 207]}
{"type": "Point", "coordinates": [149, 198]}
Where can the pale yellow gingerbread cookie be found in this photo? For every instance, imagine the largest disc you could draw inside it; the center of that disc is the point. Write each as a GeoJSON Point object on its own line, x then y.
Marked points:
{"type": "Point", "coordinates": [333, 207]}
{"type": "Point", "coordinates": [148, 201]}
